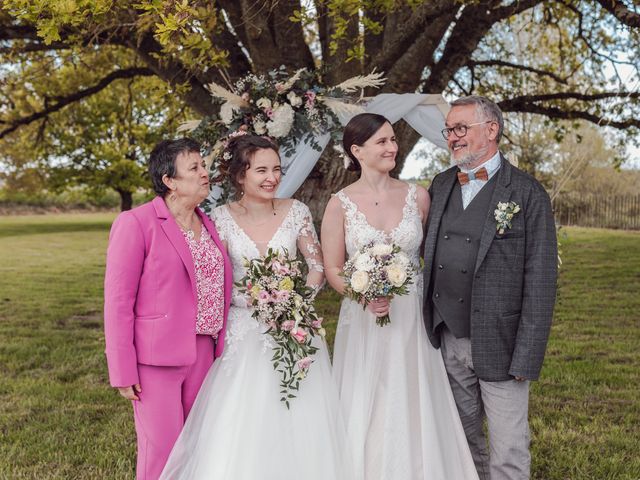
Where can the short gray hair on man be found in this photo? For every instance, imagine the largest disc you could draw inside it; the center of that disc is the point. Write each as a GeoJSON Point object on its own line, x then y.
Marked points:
{"type": "Point", "coordinates": [486, 110]}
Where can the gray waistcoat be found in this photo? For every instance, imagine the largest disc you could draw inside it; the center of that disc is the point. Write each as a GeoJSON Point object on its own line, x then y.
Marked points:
{"type": "Point", "coordinates": [455, 259]}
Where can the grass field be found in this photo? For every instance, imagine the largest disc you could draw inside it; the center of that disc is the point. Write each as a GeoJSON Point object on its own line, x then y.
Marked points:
{"type": "Point", "coordinates": [60, 419]}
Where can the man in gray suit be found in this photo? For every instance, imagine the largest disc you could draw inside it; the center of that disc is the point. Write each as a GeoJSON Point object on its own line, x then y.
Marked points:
{"type": "Point", "coordinates": [490, 285]}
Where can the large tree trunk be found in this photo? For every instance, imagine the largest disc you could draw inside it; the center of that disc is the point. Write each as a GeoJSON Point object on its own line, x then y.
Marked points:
{"type": "Point", "coordinates": [126, 200]}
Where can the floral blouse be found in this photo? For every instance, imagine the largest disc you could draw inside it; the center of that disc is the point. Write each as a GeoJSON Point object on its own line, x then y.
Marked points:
{"type": "Point", "coordinates": [209, 269]}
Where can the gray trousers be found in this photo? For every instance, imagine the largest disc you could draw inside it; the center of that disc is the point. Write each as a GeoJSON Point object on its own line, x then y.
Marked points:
{"type": "Point", "coordinates": [504, 404]}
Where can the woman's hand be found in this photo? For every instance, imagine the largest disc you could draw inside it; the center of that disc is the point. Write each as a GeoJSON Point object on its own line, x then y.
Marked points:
{"type": "Point", "coordinates": [379, 306]}
{"type": "Point", "coordinates": [130, 393]}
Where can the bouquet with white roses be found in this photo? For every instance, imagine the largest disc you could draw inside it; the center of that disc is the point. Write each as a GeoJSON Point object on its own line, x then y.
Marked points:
{"type": "Point", "coordinates": [377, 270]}
{"type": "Point", "coordinates": [276, 290]}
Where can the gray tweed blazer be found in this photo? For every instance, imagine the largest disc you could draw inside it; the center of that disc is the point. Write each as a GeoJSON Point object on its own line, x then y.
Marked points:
{"type": "Point", "coordinates": [514, 283]}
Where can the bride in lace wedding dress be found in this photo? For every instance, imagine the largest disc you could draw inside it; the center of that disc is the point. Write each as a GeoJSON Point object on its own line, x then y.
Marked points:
{"type": "Point", "coordinates": [402, 420]}
{"type": "Point", "coordinates": [238, 429]}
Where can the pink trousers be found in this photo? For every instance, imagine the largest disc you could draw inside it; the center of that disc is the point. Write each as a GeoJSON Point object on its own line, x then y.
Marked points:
{"type": "Point", "coordinates": [167, 396]}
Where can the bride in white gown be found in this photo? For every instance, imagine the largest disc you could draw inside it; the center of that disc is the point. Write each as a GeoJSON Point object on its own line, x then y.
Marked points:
{"type": "Point", "coordinates": [238, 428]}
{"type": "Point", "coordinates": [402, 420]}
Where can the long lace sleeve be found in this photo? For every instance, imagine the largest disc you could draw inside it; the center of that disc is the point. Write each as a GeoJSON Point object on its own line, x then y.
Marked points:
{"type": "Point", "coordinates": [309, 246]}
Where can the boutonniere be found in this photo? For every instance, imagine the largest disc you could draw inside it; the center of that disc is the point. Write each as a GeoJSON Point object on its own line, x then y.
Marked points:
{"type": "Point", "coordinates": [504, 213]}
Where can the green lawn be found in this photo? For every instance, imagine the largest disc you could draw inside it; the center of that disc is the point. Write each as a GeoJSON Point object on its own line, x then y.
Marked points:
{"type": "Point", "coordinates": [60, 419]}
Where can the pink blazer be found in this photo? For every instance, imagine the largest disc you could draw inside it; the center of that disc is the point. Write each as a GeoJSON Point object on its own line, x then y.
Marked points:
{"type": "Point", "coordinates": [150, 296]}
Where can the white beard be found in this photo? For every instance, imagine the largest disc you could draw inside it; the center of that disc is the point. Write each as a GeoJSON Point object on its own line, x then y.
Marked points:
{"type": "Point", "coordinates": [465, 161]}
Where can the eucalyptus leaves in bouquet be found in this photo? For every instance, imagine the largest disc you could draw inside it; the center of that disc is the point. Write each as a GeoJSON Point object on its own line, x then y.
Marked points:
{"type": "Point", "coordinates": [377, 270]}
{"type": "Point", "coordinates": [275, 287]}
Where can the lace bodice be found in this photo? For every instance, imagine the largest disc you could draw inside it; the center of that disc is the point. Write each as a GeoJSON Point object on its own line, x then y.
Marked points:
{"type": "Point", "coordinates": [407, 234]}
{"type": "Point", "coordinates": [296, 232]}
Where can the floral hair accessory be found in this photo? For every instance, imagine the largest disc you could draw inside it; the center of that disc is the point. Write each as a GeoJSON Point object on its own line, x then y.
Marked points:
{"type": "Point", "coordinates": [346, 159]}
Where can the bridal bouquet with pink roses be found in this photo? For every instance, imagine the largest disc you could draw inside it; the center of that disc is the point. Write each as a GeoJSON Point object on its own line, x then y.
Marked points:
{"type": "Point", "coordinates": [377, 270]}
{"type": "Point", "coordinates": [276, 289]}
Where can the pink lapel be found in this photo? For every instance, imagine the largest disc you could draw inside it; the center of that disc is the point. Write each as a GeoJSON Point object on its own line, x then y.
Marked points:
{"type": "Point", "coordinates": [176, 237]}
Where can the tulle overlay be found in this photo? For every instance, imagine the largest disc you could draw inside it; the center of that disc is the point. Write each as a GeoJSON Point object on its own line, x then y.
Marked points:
{"type": "Point", "coordinates": [402, 421]}
{"type": "Point", "coordinates": [238, 428]}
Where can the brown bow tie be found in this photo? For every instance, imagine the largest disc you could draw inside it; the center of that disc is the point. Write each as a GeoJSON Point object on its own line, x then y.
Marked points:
{"type": "Point", "coordinates": [480, 174]}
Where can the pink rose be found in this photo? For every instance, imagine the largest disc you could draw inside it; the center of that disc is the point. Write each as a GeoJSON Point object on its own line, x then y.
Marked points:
{"type": "Point", "coordinates": [282, 296]}
{"type": "Point", "coordinates": [317, 323]}
{"type": "Point", "coordinates": [288, 325]}
{"type": "Point", "coordinates": [304, 363]}
{"type": "Point", "coordinates": [268, 112]}
{"type": "Point", "coordinates": [245, 96]}
{"type": "Point", "coordinates": [264, 297]}
{"type": "Point", "coordinates": [299, 334]}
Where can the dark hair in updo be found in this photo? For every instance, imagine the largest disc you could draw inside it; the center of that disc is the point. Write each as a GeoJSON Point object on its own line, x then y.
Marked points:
{"type": "Point", "coordinates": [360, 129]}
{"type": "Point", "coordinates": [242, 149]}
{"type": "Point", "coordinates": [162, 160]}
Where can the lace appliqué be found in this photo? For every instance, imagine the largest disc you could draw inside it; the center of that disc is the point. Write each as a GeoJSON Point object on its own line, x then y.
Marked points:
{"type": "Point", "coordinates": [296, 233]}
{"type": "Point", "coordinates": [407, 235]}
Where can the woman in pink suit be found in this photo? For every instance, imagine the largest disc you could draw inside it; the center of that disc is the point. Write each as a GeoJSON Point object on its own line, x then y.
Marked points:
{"type": "Point", "coordinates": [167, 293]}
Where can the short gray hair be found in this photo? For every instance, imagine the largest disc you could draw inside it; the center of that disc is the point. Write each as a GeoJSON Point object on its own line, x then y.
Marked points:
{"type": "Point", "coordinates": [486, 110]}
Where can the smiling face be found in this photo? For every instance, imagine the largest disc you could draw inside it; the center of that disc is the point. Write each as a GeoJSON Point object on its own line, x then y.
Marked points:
{"type": "Point", "coordinates": [261, 179]}
{"type": "Point", "coordinates": [479, 144]}
{"type": "Point", "coordinates": [379, 151]}
{"type": "Point", "coordinates": [191, 182]}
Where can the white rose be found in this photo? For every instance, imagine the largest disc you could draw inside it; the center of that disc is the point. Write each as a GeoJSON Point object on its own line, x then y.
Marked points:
{"type": "Point", "coordinates": [294, 99]}
{"type": "Point", "coordinates": [263, 103]}
{"type": "Point", "coordinates": [381, 249]}
{"type": "Point", "coordinates": [282, 121]}
{"type": "Point", "coordinates": [360, 281]}
{"type": "Point", "coordinates": [402, 259]}
{"type": "Point", "coordinates": [260, 127]}
{"type": "Point", "coordinates": [364, 262]}
{"type": "Point", "coordinates": [396, 275]}
{"type": "Point", "coordinates": [227, 111]}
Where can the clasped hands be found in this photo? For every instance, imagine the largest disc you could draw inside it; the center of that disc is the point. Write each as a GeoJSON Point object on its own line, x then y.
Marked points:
{"type": "Point", "coordinates": [379, 306]}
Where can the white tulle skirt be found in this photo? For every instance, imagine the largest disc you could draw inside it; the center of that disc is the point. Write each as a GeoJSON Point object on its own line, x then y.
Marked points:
{"type": "Point", "coordinates": [401, 417]}
{"type": "Point", "coordinates": [239, 430]}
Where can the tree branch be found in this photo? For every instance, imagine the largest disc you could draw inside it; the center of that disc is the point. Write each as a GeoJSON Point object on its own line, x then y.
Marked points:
{"type": "Point", "coordinates": [575, 96]}
{"type": "Point", "coordinates": [621, 12]}
{"type": "Point", "coordinates": [35, 47]}
{"type": "Point", "coordinates": [63, 101]}
{"type": "Point", "coordinates": [522, 104]}
{"type": "Point", "coordinates": [398, 40]}
{"type": "Point", "coordinates": [472, 26]}
{"type": "Point", "coordinates": [18, 32]}
{"type": "Point", "coordinates": [501, 63]}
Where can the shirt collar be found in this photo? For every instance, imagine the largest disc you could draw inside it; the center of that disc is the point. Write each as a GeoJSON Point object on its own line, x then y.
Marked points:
{"type": "Point", "coordinates": [492, 165]}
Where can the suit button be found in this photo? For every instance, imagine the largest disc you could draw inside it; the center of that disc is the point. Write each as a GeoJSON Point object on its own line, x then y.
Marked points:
{"type": "Point", "coordinates": [440, 267]}
{"type": "Point", "coordinates": [437, 295]}
{"type": "Point", "coordinates": [464, 270]}
{"type": "Point", "coordinates": [476, 310]}
{"type": "Point", "coordinates": [477, 276]}
{"type": "Point", "coordinates": [468, 240]}
{"type": "Point", "coordinates": [460, 300]}
{"type": "Point", "coordinates": [446, 237]}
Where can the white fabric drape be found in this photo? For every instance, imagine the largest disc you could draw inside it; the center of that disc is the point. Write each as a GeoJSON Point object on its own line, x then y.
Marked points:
{"type": "Point", "coordinates": [425, 113]}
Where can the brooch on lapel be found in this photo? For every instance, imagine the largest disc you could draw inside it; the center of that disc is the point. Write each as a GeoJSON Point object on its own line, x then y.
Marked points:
{"type": "Point", "coordinates": [504, 213]}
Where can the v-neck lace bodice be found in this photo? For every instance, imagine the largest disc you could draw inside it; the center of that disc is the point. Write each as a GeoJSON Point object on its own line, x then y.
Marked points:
{"type": "Point", "coordinates": [295, 232]}
{"type": "Point", "coordinates": [407, 234]}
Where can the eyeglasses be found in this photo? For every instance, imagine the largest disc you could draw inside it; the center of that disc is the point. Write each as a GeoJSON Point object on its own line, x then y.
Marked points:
{"type": "Point", "coordinates": [460, 130]}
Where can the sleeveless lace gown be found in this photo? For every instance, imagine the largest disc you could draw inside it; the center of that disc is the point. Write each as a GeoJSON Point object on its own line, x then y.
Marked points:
{"type": "Point", "coordinates": [401, 417]}
{"type": "Point", "coordinates": [238, 429]}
